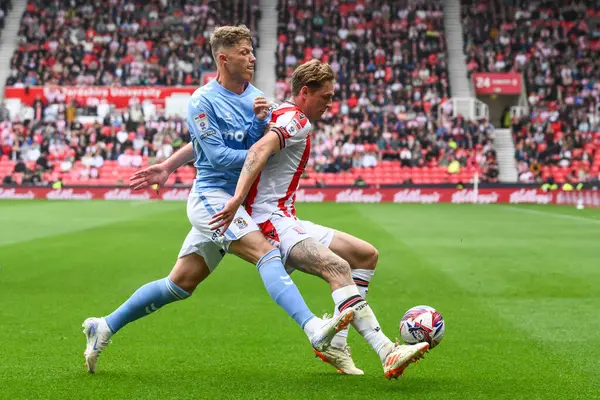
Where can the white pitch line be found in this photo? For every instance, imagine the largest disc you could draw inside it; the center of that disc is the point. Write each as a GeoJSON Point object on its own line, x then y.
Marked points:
{"type": "Point", "coordinates": [546, 213]}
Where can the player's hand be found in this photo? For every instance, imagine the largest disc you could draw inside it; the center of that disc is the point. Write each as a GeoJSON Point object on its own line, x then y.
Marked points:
{"type": "Point", "coordinates": [154, 175]}
{"type": "Point", "coordinates": [261, 108]}
{"type": "Point", "coordinates": [221, 220]}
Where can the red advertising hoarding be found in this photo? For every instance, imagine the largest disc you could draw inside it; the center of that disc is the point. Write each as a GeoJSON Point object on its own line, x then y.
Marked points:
{"type": "Point", "coordinates": [119, 96]}
{"type": "Point", "coordinates": [497, 83]}
{"type": "Point", "coordinates": [590, 198]}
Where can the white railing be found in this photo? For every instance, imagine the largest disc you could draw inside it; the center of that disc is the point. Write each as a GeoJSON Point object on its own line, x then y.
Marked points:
{"type": "Point", "coordinates": [469, 107]}
{"type": "Point", "coordinates": [518, 111]}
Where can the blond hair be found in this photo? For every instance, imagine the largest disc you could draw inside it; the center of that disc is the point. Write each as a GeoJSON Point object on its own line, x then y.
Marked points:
{"type": "Point", "coordinates": [228, 36]}
{"type": "Point", "coordinates": [313, 74]}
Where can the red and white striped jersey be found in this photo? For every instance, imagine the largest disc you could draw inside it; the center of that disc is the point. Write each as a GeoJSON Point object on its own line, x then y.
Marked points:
{"type": "Point", "coordinates": [276, 186]}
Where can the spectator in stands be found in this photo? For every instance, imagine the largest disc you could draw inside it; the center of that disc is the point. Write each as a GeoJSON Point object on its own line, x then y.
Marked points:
{"type": "Point", "coordinates": [360, 182]}
{"type": "Point", "coordinates": [31, 178]}
{"type": "Point", "coordinates": [4, 112]}
{"type": "Point", "coordinates": [453, 166]}
{"type": "Point", "coordinates": [20, 167]}
{"type": "Point", "coordinates": [42, 162]}
{"type": "Point", "coordinates": [71, 112]}
{"type": "Point", "coordinates": [369, 160]}
{"type": "Point", "coordinates": [58, 184]}
{"type": "Point", "coordinates": [9, 180]}
{"type": "Point", "coordinates": [38, 108]}
{"type": "Point", "coordinates": [135, 115]}
{"type": "Point", "coordinates": [490, 170]}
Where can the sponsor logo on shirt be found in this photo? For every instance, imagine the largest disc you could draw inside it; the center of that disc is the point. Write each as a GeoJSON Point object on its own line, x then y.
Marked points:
{"type": "Point", "coordinates": [293, 127]}
{"type": "Point", "coordinates": [238, 136]}
{"type": "Point", "coordinates": [207, 133]}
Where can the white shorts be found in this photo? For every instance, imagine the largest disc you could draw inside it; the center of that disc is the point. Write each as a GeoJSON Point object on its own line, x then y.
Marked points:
{"type": "Point", "coordinates": [286, 232]}
{"type": "Point", "coordinates": [201, 239]}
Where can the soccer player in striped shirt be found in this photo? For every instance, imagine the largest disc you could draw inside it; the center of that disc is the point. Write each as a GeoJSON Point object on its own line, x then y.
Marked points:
{"type": "Point", "coordinates": [268, 183]}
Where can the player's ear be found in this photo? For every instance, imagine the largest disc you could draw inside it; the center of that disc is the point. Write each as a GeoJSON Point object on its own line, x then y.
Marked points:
{"type": "Point", "coordinates": [222, 57]}
{"type": "Point", "coordinates": [304, 91]}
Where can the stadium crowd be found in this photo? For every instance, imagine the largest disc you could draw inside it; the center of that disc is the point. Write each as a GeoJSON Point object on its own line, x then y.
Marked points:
{"type": "Point", "coordinates": [389, 122]}
{"type": "Point", "coordinates": [391, 78]}
{"type": "Point", "coordinates": [49, 141]}
{"type": "Point", "coordinates": [121, 42]}
{"type": "Point", "coordinates": [385, 114]}
{"type": "Point", "coordinates": [554, 44]}
{"type": "Point", "coordinates": [58, 145]}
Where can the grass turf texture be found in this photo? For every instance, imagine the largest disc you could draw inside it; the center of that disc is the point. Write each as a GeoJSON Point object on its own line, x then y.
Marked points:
{"type": "Point", "coordinates": [518, 287]}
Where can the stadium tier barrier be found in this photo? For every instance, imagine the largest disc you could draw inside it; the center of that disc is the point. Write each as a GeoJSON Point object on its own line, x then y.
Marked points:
{"type": "Point", "coordinates": [424, 195]}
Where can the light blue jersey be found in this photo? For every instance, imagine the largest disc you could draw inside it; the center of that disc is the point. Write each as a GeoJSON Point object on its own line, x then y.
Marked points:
{"type": "Point", "coordinates": [223, 127]}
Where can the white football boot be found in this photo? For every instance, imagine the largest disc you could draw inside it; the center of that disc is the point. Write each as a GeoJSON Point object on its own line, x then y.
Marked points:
{"type": "Point", "coordinates": [97, 334]}
{"type": "Point", "coordinates": [321, 339]}
{"type": "Point", "coordinates": [401, 356]}
{"type": "Point", "coordinates": [340, 359]}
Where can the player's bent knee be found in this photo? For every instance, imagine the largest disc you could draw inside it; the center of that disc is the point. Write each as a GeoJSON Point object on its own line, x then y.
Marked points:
{"type": "Point", "coordinates": [371, 258]}
{"type": "Point", "coordinates": [251, 247]}
{"type": "Point", "coordinates": [366, 257]}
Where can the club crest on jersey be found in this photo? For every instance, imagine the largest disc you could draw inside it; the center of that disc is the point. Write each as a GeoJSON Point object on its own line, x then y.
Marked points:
{"type": "Point", "coordinates": [201, 121]}
{"type": "Point", "coordinates": [240, 223]}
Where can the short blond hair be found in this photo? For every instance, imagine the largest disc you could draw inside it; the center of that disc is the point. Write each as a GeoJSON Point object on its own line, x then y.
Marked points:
{"type": "Point", "coordinates": [228, 36]}
{"type": "Point", "coordinates": [313, 74]}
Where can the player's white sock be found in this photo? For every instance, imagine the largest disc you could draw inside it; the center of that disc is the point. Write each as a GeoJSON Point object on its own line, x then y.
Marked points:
{"type": "Point", "coordinates": [365, 321]}
{"type": "Point", "coordinates": [312, 326]}
{"type": "Point", "coordinates": [362, 278]}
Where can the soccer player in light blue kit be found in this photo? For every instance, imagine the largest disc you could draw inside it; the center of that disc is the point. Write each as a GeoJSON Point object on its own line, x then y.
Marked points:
{"type": "Point", "coordinates": [223, 124]}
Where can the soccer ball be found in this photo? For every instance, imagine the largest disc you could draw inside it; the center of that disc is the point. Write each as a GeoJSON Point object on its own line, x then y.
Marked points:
{"type": "Point", "coordinates": [422, 324]}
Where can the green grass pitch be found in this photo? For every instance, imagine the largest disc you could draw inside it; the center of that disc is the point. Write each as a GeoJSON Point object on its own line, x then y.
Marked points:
{"type": "Point", "coordinates": [518, 287]}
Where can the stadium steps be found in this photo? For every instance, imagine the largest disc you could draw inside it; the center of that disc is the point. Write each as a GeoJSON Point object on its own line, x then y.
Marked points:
{"type": "Point", "coordinates": [457, 66]}
{"type": "Point", "coordinates": [265, 55]}
{"type": "Point", "coordinates": [505, 150]}
{"type": "Point", "coordinates": [8, 40]}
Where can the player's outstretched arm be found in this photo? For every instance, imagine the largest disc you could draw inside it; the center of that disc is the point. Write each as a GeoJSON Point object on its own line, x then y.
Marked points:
{"type": "Point", "coordinates": [258, 155]}
{"type": "Point", "coordinates": [179, 158]}
{"type": "Point", "coordinates": [159, 173]}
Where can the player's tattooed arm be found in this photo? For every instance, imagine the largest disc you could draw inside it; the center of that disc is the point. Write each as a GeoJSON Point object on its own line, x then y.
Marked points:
{"type": "Point", "coordinates": [256, 159]}
{"type": "Point", "coordinates": [313, 258]}
{"type": "Point", "coordinates": [250, 162]}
